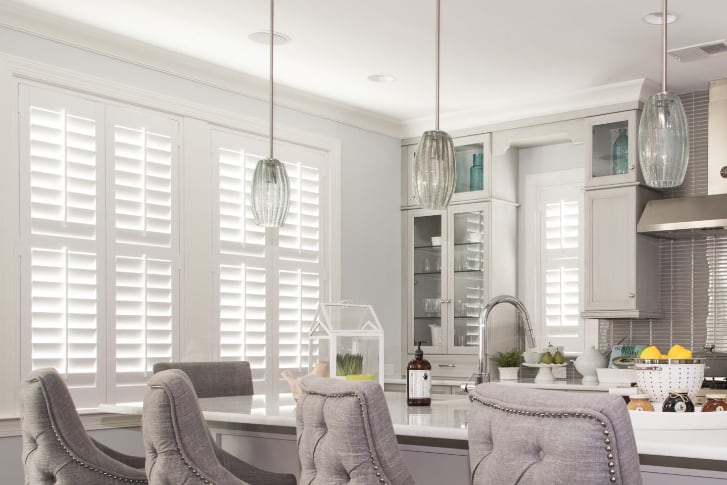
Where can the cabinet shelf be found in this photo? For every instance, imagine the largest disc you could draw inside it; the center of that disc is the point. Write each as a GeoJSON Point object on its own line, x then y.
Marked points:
{"type": "Point", "coordinates": [428, 318]}
{"type": "Point", "coordinates": [429, 273]}
{"type": "Point", "coordinates": [457, 244]}
{"type": "Point", "coordinates": [468, 271]}
{"type": "Point", "coordinates": [428, 247]}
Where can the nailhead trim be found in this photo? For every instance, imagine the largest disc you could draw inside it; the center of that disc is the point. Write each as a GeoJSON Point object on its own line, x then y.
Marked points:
{"type": "Point", "coordinates": [86, 465]}
{"type": "Point", "coordinates": [540, 414]}
{"type": "Point", "coordinates": [361, 406]}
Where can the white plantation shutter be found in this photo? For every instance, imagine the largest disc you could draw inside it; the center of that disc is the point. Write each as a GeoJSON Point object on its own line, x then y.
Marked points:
{"type": "Point", "coordinates": [559, 259]}
{"type": "Point", "coordinates": [269, 282]}
{"type": "Point", "coordinates": [61, 184]}
{"type": "Point", "coordinates": [99, 229]}
{"type": "Point", "coordinates": [144, 281]}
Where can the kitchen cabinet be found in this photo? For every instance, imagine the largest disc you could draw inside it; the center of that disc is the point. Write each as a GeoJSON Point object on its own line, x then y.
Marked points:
{"type": "Point", "coordinates": [469, 186]}
{"type": "Point", "coordinates": [450, 259]}
{"type": "Point", "coordinates": [622, 267]}
{"type": "Point", "coordinates": [610, 146]}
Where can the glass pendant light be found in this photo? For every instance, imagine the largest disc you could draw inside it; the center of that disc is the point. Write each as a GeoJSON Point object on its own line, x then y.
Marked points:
{"type": "Point", "coordinates": [434, 164]}
{"type": "Point", "coordinates": [270, 186]}
{"type": "Point", "coordinates": [663, 137]}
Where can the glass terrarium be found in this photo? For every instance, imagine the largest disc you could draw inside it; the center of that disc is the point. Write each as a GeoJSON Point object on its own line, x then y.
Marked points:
{"type": "Point", "coordinates": [348, 341]}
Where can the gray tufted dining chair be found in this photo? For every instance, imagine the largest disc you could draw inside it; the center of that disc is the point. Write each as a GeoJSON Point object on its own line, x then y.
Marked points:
{"type": "Point", "coordinates": [56, 447]}
{"type": "Point", "coordinates": [179, 447]}
{"type": "Point", "coordinates": [345, 434]}
{"type": "Point", "coordinates": [531, 437]}
{"type": "Point", "coordinates": [215, 379]}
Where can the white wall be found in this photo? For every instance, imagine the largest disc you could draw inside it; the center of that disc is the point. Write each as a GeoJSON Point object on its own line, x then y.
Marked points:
{"type": "Point", "coordinates": [369, 173]}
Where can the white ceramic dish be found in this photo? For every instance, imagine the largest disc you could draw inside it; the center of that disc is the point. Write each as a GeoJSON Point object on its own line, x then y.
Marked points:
{"type": "Point", "coordinates": [532, 356]}
{"type": "Point", "coordinates": [616, 376]}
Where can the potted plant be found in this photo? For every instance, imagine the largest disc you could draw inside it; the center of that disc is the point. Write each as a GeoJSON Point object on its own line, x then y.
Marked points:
{"type": "Point", "coordinates": [350, 366]}
{"type": "Point", "coordinates": [508, 364]}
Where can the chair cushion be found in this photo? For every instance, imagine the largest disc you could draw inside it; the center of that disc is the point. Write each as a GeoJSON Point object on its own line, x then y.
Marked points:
{"type": "Point", "coordinates": [345, 434]}
{"type": "Point", "coordinates": [529, 436]}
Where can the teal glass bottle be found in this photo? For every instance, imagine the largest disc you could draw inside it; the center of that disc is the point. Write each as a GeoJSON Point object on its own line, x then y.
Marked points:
{"type": "Point", "coordinates": [620, 152]}
{"type": "Point", "coordinates": [476, 172]}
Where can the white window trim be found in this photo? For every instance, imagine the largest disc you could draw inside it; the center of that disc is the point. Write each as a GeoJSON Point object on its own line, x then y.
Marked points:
{"type": "Point", "coordinates": [530, 259]}
{"type": "Point", "coordinates": [13, 70]}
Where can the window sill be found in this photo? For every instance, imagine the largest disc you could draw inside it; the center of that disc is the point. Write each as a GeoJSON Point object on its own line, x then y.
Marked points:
{"type": "Point", "coordinates": [91, 420]}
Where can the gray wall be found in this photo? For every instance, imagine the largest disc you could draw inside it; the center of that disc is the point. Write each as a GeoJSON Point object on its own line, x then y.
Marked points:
{"type": "Point", "coordinates": [693, 271]}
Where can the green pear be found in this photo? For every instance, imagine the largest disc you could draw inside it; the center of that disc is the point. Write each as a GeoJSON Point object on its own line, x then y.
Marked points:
{"type": "Point", "coordinates": [558, 358]}
{"type": "Point", "coordinates": [547, 358]}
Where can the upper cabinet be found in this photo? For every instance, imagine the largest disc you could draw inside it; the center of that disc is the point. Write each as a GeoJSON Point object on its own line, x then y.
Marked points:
{"type": "Point", "coordinates": [611, 149]}
{"type": "Point", "coordinates": [473, 165]}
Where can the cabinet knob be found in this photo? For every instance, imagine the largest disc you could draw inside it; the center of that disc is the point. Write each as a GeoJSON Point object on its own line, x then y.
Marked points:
{"type": "Point", "coordinates": [446, 300]}
{"type": "Point", "coordinates": [632, 295]}
{"type": "Point", "coordinates": [632, 167]}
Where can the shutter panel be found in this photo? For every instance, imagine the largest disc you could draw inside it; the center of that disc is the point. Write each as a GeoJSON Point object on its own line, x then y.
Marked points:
{"type": "Point", "coordinates": [62, 249]}
{"type": "Point", "coordinates": [560, 267]}
{"type": "Point", "coordinates": [144, 282]}
{"type": "Point", "coordinates": [300, 235]}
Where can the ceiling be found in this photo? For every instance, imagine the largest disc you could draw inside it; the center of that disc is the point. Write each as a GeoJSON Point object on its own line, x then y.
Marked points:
{"type": "Point", "coordinates": [497, 57]}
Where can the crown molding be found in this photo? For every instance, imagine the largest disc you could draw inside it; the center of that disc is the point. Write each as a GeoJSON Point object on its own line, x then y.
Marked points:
{"type": "Point", "coordinates": [41, 24]}
{"type": "Point", "coordinates": [623, 93]}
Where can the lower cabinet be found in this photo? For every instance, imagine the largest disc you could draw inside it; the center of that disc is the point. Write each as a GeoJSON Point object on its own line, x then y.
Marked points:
{"type": "Point", "coordinates": [622, 267]}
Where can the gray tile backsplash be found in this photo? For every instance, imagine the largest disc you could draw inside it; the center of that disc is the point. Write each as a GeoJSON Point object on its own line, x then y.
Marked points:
{"type": "Point", "coordinates": [693, 271]}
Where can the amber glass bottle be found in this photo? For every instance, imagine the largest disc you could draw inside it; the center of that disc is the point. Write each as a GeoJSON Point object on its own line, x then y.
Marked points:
{"type": "Point", "coordinates": [419, 380]}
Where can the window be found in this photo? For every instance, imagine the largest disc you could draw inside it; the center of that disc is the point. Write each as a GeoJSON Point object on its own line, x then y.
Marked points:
{"type": "Point", "coordinates": [553, 254]}
{"type": "Point", "coordinates": [270, 281]}
{"type": "Point", "coordinates": [99, 234]}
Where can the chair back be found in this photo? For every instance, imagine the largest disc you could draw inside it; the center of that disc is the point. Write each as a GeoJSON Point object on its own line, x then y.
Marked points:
{"type": "Point", "coordinates": [215, 379]}
{"type": "Point", "coordinates": [530, 436]}
{"type": "Point", "coordinates": [179, 447]}
{"type": "Point", "coordinates": [56, 447]}
{"type": "Point", "coordinates": [345, 434]}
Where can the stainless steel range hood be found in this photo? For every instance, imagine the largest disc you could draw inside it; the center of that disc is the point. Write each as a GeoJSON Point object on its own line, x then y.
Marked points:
{"type": "Point", "coordinates": [703, 216]}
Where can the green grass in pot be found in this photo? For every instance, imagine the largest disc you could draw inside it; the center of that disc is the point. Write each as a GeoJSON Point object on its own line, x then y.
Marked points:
{"type": "Point", "coordinates": [511, 358]}
{"type": "Point", "coordinates": [349, 364]}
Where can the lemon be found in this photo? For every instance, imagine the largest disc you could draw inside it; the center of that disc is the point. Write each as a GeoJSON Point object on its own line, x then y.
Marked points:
{"type": "Point", "coordinates": [679, 352]}
{"type": "Point", "coordinates": [650, 352]}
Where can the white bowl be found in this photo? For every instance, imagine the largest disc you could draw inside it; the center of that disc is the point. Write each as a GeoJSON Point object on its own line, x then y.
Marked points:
{"type": "Point", "coordinates": [533, 356]}
{"type": "Point", "coordinates": [616, 376]}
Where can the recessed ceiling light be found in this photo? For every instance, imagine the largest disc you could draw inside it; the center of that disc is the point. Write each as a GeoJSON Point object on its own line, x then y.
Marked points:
{"type": "Point", "coordinates": [264, 38]}
{"type": "Point", "coordinates": [654, 18]}
{"type": "Point", "coordinates": [381, 78]}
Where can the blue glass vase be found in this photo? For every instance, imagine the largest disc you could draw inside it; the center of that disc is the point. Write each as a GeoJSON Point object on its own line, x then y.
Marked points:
{"type": "Point", "coordinates": [620, 152]}
{"type": "Point", "coordinates": [476, 172]}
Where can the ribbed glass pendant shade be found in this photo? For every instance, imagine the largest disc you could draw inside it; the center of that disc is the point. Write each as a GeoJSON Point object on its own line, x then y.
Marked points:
{"type": "Point", "coordinates": [270, 193]}
{"type": "Point", "coordinates": [663, 141]}
{"type": "Point", "coordinates": [434, 170]}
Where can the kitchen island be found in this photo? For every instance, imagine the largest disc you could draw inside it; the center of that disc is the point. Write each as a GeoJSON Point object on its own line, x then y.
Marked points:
{"type": "Point", "coordinates": [261, 429]}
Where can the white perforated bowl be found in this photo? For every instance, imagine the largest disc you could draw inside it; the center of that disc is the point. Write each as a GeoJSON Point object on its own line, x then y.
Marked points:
{"type": "Point", "coordinates": [658, 378]}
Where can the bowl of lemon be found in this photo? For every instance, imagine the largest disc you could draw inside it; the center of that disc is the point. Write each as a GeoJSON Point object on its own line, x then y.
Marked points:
{"type": "Point", "coordinates": [658, 373]}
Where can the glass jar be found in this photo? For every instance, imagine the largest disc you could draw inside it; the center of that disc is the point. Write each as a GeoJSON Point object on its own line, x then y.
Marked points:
{"type": "Point", "coordinates": [620, 152]}
{"type": "Point", "coordinates": [476, 172]}
{"type": "Point", "coordinates": [640, 402]}
{"type": "Point", "coordinates": [715, 402]}
{"type": "Point", "coordinates": [677, 402]}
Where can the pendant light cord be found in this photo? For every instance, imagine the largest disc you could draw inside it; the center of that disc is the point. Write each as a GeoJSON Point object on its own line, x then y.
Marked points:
{"type": "Point", "coordinates": [664, 21]}
{"type": "Point", "coordinates": [436, 96]}
{"type": "Point", "coordinates": [272, 42]}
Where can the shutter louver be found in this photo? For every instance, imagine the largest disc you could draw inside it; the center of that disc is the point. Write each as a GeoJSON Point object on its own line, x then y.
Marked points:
{"type": "Point", "coordinates": [143, 316]}
{"type": "Point", "coordinates": [143, 178]}
{"type": "Point", "coordinates": [242, 315]}
{"type": "Point", "coordinates": [299, 295]}
{"type": "Point", "coordinates": [63, 173]}
{"type": "Point", "coordinates": [64, 294]}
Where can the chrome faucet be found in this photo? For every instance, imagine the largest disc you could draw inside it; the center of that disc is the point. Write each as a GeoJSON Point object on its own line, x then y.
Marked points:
{"type": "Point", "coordinates": [482, 374]}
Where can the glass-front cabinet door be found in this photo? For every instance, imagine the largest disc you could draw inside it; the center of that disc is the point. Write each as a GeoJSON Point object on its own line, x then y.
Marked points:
{"type": "Point", "coordinates": [611, 148]}
{"type": "Point", "coordinates": [427, 282]}
{"type": "Point", "coordinates": [446, 282]}
{"type": "Point", "coordinates": [466, 275]}
{"type": "Point", "coordinates": [472, 164]}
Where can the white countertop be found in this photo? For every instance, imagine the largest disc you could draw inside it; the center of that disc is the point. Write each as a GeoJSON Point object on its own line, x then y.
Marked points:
{"type": "Point", "coordinates": [694, 435]}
